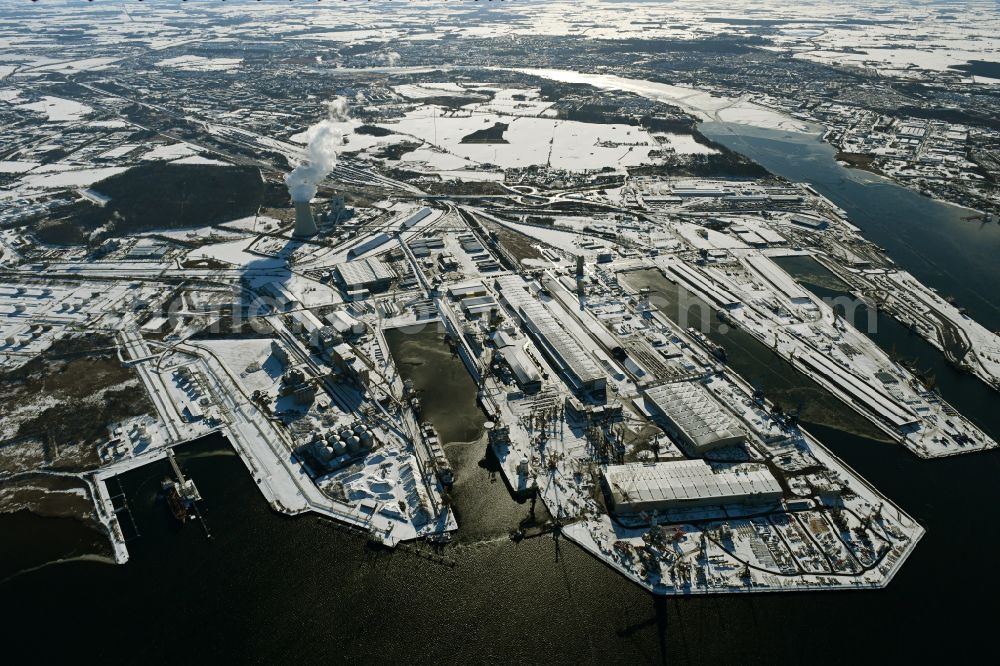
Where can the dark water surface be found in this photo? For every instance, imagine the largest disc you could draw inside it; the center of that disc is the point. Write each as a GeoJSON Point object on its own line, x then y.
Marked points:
{"type": "Point", "coordinates": [273, 589]}
{"type": "Point", "coordinates": [447, 392]}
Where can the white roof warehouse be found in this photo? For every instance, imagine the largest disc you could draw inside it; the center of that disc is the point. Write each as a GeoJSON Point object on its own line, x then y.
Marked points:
{"type": "Point", "coordinates": [694, 416]}
{"type": "Point", "coordinates": [636, 487]}
{"type": "Point", "coordinates": [366, 274]}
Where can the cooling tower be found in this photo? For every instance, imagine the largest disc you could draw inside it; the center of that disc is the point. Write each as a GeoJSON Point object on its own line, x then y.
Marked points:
{"type": "Point", "coordinates": [304, 223]}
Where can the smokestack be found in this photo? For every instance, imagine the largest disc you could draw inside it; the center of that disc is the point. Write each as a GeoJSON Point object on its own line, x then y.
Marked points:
{"type": "Point", "coordinates": [318, 160]}
{"type": "Point", "coordinates": [304, 223]}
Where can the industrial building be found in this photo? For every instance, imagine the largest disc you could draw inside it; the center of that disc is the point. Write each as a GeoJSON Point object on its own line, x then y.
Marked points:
{"type": "Point", "coordinates": [470, 244]}
{"type": "Point", "coordinates": [446, 262]}
{"type": "Point", "coordinates": [306, 321]}
{"type": "Point", "coordinates": [525, 373]}
{"type": "Point", "coordinates": [467, 290]}
{"type": "Point", "coordinates": [869, 396]}
{"type": "Point", "coordinates": [283, 300]}
{"type": "Point", "coordinates": [372, 274]}
{"type": "Point", "coordinates": [696, 282]}
{"type": "Point", "coordinates": [478, 305]}
{"type": "Point", "coordinates": [778, 279]}
{"type": "Point", "coordinates": [422, 247]}
{"type": "Point", "coordinates": [368, 245]}
{"type": "Point", "coordinates": [749, 236]}
{"type": "Point", "coordinates": [569, 357]}
{"type": "Point", "coordinates": [510, 349]}
{"type": "Point", "coordinates": [704, 191]}
{"type": "Point", "coordinates": [295, 383]}
{"type": "Point", "coordinates": [150, 249]}
{"type": "Point", "coordinates": [320, 336]}
{"type": "Point", "coordinates": [694, 416]}
{"type": "Point", "coordinates": [344, 324]}
{"type": "Point", "coordinates": [679, 484]}
{"type": "Point", "coordinates": [809, 222]}
{"type": "Point", "coordinates": [279, 352]}
{"type": "Point", "coordinates": [410, 221]}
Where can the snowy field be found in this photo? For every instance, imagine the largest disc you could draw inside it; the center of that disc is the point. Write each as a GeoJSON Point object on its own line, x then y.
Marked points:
{"type": "Point", "coordinates": [58, 109]}
{"type": "Point", "coordinates": [703, 105]}
{"type": "Point", "coordinates": [515, 102]}
{"type": "Point", "coordinates": [193, 63]}
{"type": "Point", "coordinates": [170, 151]}
{"type": "Point", "coordinates": [235, 253]}
{"type": "Point", "coordinates": [350, 36]}
{"type": "Point", "coordinates": [425, 90]}
{"type": "Point", "coordinates": [96, 64]}
{"type": "Point", "coordinates": [15, 166]}
{"type": "Point", "coordinates": [436, 159]}
{"type": "Point", "coordinates": [684, 144]}
{"type": "Point", "coordinates": [71, 178]}
{"type": "Point", "coordinates": [198, 159]}
{"type": "Point", "coordinates": [563, 144]}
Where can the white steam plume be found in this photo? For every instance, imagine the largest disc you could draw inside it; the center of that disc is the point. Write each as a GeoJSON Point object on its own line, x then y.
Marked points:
{"type": "Point", "coordinates": [320, 154]}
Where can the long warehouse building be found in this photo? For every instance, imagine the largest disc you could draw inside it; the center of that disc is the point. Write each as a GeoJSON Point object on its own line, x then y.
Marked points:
{"type": "Point", "coordinates": [694, 416]}
{"type": "Point", "coordinates": [570, 358]}
{"type": "Point", "coordinates": [679, 484]}
{"type": "Point", "coordinates": [778, 279]}
{"type": "Point", "coordinates": [371, 273]}
{"type": "Point", "coordinates": [368, 245]}
{"type": "Point", "coordinates": [411, 220]}
{"type": "Point", "coordinates": [700, 284]}
{"type": "Point", "coordinates": [866, 394]}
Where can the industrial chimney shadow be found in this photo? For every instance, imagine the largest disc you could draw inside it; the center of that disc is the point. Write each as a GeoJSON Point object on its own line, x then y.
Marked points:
{"type": "Point", "coordinates": [271, 268]}
{"type": "Point", "coordinates": [657, 620]}
{"type": "Point", "coordinates": [264, 285]}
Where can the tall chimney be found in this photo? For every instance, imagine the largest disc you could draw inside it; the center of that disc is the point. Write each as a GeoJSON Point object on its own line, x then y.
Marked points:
{"type": "Point", "coordinates": [304, 223]}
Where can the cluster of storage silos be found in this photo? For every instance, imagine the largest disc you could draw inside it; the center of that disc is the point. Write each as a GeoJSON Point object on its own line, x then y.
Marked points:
{"type": "Point", "coordinates": [346, 440]}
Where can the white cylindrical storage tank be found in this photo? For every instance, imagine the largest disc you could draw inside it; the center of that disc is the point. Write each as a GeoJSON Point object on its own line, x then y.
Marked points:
{"type": "Point", "coordinates": [338, 447]}
{"type": "Point", "coordinates": [353, 444]}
